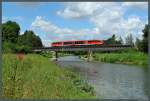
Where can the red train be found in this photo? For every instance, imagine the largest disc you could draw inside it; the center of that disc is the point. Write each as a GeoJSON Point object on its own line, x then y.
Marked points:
{"type": "Point", "coordinates": [77, 43]}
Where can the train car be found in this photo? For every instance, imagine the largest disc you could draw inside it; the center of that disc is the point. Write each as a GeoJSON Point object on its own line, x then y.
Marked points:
{"type": "Point", "coordinates": [77, 43]}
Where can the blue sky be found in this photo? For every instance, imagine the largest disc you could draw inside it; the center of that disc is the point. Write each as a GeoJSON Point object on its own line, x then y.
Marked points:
{"type": "Point", "coordinates": [78, 21]}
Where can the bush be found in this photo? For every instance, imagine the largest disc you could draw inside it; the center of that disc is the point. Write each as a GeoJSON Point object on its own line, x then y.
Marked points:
{"type": "Point", "coordinates": [9, 47]}
{"type": "Point", "coordinates": [46, 54]}
{"type": "Point", "coordinates": [23, 49]}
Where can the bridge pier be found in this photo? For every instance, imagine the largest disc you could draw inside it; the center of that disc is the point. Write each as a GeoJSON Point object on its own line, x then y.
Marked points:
{"type": "Point", "coordinates": [90, 56]}
{"type": "Point", "coordinates": [55, 55]}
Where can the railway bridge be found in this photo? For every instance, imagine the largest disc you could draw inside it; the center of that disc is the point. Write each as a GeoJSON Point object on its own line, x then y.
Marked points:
{"type": "Point", "coordinates": [89, 48]}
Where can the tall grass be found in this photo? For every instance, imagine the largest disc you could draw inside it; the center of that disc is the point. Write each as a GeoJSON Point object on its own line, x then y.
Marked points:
{"type": "Point", "coordinates": [35, 77]}
{"type": "Point", "coordinates": [127, 57]}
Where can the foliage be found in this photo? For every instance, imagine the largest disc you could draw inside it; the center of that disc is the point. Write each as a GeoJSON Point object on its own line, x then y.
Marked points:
{"type": "Point", "coordinates": [83, 85]}
{"type": "Point", "coordinates": [14, 42]}
{"type": "Point", "coordinates": [23, 49]}
{"type": "Point", "coordinates": [46, 54]}
{"type": "Point", "coordinates": [137, 44]}
{"type": "Point", "coordinates": [30, 39]}
{"type": "Point", "coordinates": [129, 40]}
{"type": "Point", "coordinates": [8, 47]}
{"type": "Point", "coordinates": [142, 45]}
{"type": "Point", "coordinates": [35, 77]}
{"type": "Point", "coordinates": [10, 31]}
{"type": "Point", "coordinates": [145, 40]}
{"type": "Point", "coordinates": [112, 40]}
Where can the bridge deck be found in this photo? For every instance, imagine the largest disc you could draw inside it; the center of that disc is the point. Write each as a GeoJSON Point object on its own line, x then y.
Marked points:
{"type": "Point", "coordinates": [84, 48]}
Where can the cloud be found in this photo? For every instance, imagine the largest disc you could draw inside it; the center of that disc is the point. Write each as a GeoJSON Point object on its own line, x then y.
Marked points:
{"type": "Point", "coordinates": [48, 26]}
{"type": "Point", "coordinates": [132, 23]}
{"type": "Point", "coordinates": [117, 25]}
{"type": "Point", "coordinates": [46, 43]}
{"type": "Point", "coordinates": [43, 25]}
{"type": "Point", "coordinates": [82, 9]}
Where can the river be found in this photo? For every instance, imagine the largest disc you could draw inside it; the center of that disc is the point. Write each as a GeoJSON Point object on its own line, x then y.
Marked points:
{"type": "Point", "coordinates": [110, 81]}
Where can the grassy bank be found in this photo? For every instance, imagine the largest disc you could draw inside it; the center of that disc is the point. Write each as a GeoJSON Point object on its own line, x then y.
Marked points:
{"type": "Point", "coordinates": [127, 57]}
{"type": "Point", "coordinates": [35, 77]}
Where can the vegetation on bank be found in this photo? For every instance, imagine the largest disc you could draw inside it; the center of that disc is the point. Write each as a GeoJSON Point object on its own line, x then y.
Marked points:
{"type": "Point", "coordinates": [34, 77]}
{"type": "Point", "coordinates": [131, 57]}
{"type": "Point", "coordinates": [52, 54]}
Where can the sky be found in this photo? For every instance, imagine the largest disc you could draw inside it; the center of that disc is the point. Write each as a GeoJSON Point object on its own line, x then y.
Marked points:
{"type": "Point", "coordinates": [61, 21]}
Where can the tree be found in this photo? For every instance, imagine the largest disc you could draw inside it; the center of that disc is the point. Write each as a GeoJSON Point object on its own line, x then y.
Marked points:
{"type": "Point", "coordinates": [13, 42]}
{"type": "Point", "coordinates": [129, 39]}
{"type": "Point", "coordinates": [144, 44]}
{"type": "Point", "coordinates": [30, 39]}
{"type": "Point", "coordinates": [112, 40]}
{"type": "Point", "coordinates": [120, 41]}
{"type": "Point", "coordinates": [138, 44]}
{"type": "Point", "coordinates": [10, 31]}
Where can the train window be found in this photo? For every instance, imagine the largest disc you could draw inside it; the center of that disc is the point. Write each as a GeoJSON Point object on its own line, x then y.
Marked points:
{"type": "Point", "coordinates": [66, 43]}
{"type": "Point", "coordinates": [79, 42]}
{"type": "Point", "coordinates": [76, 42]}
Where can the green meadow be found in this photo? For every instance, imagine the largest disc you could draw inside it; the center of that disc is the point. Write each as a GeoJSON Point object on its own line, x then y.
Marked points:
{"type": "Point", "coordinates": [36, 77]}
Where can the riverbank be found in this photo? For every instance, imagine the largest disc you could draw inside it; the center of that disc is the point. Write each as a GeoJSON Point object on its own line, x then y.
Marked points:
{"type": "Point", "coordinates": [35, 77]}
{"type": "Point", "coordinates": [127, 57]}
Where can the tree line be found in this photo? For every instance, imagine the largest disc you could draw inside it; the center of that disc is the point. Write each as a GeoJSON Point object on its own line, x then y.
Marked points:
{"type": "Point", "coordinates": [13, 41]}
{"type": "Point", "coordinates": [140, 45]}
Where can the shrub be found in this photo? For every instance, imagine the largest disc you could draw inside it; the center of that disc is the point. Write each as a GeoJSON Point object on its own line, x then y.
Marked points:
{"type": "Point", "coordinates": [9, 47]}
{"type": "Point", "coordinates": [23, 48]}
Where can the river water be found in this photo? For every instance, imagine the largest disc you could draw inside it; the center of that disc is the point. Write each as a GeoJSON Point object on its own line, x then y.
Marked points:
{"type": "Point", "coordinates": [110, 81]}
